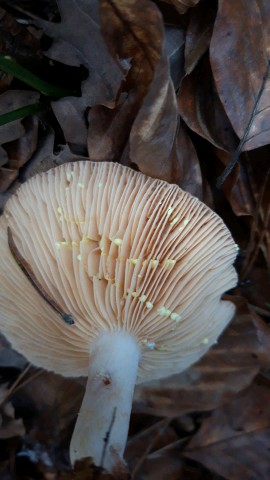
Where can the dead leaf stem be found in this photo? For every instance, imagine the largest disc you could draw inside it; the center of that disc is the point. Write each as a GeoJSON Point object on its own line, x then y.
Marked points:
{"type": "Point", "coordinates": [236, 154]}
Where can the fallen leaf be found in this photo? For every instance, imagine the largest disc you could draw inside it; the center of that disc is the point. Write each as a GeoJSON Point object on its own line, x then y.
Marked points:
{"type": "Point", "coordinates": [70, 113]}
{"type": "Point", "coordinates": [11, 359]}
{"type": "Point", "coordinates": [133, 31]}
{"type": "Point", "coordinates": [198, 34]}
{"type": "Point", "coordinates": [3, 157]}
{"type": "Point", "coordinates": [241, 67]}
{"type": "Point", "coordinates": [148, 440]}
{"type": "Point", "coordinates": [17, 39]}
{"type": "Point", "coordinates": [45, 157]}
{"type": "Point", "coordinates": [85, 470]}
{"type": "Point", "coordinates": [9, 101]}
{"type": "Point", "coordinates": [259, 238]}
{"type": "Point", "coordinates": [256, 287]}
{"type": "Point", "coordinates": [228, 368]}
{"type": "Point", "coordinates": [174, 46]}
{"type": "Point", "coordinates": [7, 177]}
{"type": "Point", "coordinates": [234, 441]}
{"type": "Point", "coordinates": [78, 41]}
{"type": "Point", "coordinates": [186, 171]}
{"type": "Point", "coordinates": [12, 428]}
{"type": "Point", "coordinates": [196, 93]}
{"type": "Point", "coordinates": [21, 150]}
{"type": "Point", "coordinates": [153, 132]}
{"type": "Point", "coordinates": [166, 463]}
{"type": "Point", "coordinates": [236, 187]}
{"type": "Point", "coordinates": [134, 34]}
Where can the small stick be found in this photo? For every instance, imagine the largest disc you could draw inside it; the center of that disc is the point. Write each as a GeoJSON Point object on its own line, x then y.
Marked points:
{"type": "Point", "coordinates": [27, 270]}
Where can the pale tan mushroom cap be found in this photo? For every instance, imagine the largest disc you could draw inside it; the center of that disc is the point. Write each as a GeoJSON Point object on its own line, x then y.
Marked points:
{"type": "Point", "coordinates": [116, 250]}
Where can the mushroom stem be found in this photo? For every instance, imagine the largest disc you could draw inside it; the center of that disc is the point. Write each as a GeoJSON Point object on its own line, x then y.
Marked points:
{"type": "Point", "coordinates": [102, 426]}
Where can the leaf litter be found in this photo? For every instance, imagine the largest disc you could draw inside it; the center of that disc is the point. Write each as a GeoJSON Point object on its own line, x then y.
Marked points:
{"type": "Point", "coordinates": [180, 91]}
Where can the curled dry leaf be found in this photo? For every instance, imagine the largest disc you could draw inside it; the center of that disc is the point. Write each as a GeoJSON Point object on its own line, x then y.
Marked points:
{"type": "Point", "coordinates": [234, 441]}
{"type": "Point", "coordinates": [174, 46]}
{"type": "Point", "coordinates": [134, 34]}
{"type": "Point", "coordinates": [218, 375]}
{"type": "Point", "coordinates": [153, 132]}
{"type": "Point", "coordinates": [70, 113]}
{"type": "Point", "coordinates": [186, 171]}
{"type": "Point", "coordinates": [241, 67]}
{"type": "Point", "coordinates": [199, 33]}
{"type": "Point", "coordinates": [196, 94]}
{"type": "Point", "coordinates": [236, 187]}
{"type": "Point", "coordinates": [21, 150]}
{"type": "Point", "coordinates": [74, 38]}
{"type": "Point", "coordinates": [133, 31]}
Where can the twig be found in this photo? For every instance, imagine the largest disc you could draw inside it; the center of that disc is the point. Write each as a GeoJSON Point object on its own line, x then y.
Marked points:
{"type": "Point", "coordinates": [17, 385]}
{"type": "Point", "coordinates": [236, 154]}
{"type": "Point", "coordinates": [27, 270]}
{"type": "Point", "coordinates": [166, 422]}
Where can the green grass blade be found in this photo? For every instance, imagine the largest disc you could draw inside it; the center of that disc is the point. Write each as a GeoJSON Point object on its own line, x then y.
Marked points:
{"type": "Point", "coordinates": [9, 65]}
{"type": "Point", "coordinates": [23, 112]}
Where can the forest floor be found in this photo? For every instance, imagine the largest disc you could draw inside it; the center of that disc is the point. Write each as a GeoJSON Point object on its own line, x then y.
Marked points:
{"type": "Point", "coordinates": [180, 93]}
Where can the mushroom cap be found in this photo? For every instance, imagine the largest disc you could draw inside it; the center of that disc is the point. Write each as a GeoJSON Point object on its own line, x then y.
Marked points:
{"type": "Point", "coordinates": [117, 250]}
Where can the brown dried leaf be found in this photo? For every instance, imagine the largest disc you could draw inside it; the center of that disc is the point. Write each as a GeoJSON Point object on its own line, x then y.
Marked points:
{"type": "Point", "coordinates": [78, 41]}
{"type": "Point", "coordinates": [197, 92]}
{"type": "Point", "coordinates": [21, 150]}
{"type": "Point", "coordinates": [153, 132]}
{"type": "Point", "coordinates": [199, 33]}
{"type": "Point", "coordinates": [164, 464]}
{"type": "Point", "coordinates": [45, 158]}
{"type": "Point", "coordinates": [85, 470]}
{"type": "Point", "coordinates": [12, 428]}
{"type": "Point", "coordinates": [182, 5]}
{"type": "Point", "coordinates": [9, 426]}
{"type": "Point", "coordinates": [256, 289]}
{"type": "Point", "coordinates": [260, 229]}
{"type": "Point", "coordinates": [237, 188]}
{"type": "Point", "coordinates": [9, 101]}
{"type": "Point", "coordinates": [70, 113]}
{"type": "Point", "coordinates": [16, 39]}
{"type": "Point", "coordinates": [3, 157]}
{"type": "Point", "coordinates": [56, 402]}
{"type": "Point", "coordinates": [227, 369]}
{"type": "Point", "coordinates": [234, 441]}
{"type": "Point", "coordinates": [7, 177]}
{"type": "Point", "coordinates": [186, 171]}
{"type": "Point", "coordinates": [241, 67]}
{"type": "Point", "coordinates": [134, 34]}
{"type": "Point", "coordinates": [148, 440]}
{"type": "Point", "coordinates": [174, 46]}
{"type": "Point", "coordinates": [135, 31]}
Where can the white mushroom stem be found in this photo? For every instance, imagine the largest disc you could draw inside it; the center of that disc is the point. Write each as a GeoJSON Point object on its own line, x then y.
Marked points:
{"type": "Point", "coordinates": [102, 427]}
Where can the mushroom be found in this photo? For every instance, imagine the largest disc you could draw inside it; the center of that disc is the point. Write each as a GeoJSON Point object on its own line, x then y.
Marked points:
{"type": "Point", "coordinates": [110, 274]}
